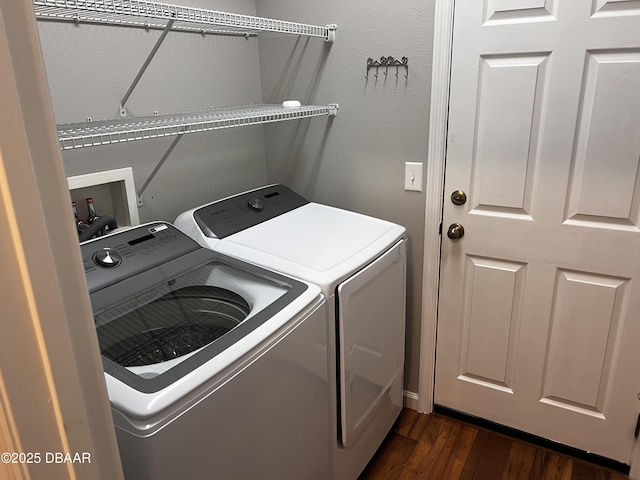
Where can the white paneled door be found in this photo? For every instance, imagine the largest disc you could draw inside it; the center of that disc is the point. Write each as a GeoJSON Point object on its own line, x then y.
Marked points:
{"type": "Point", "coordinates": [539, 315]}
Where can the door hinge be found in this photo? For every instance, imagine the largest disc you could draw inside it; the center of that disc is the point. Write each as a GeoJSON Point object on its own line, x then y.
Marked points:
{"type": "Point", "coordinates": [440, 229]}
{"type": "Point", "coordinates": [635, 434]}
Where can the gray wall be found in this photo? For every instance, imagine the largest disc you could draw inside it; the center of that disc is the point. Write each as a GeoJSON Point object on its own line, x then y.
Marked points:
{"type": "Point", "coordinates": [355, 161]}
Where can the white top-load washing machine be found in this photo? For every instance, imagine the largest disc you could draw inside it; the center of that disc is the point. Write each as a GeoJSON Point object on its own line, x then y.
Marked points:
{"type": "Point", "coordinates": [214, 368]}
{"type": "Point", "coordinates": [359, 262]}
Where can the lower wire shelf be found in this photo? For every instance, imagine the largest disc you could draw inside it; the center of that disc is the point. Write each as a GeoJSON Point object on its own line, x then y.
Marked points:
{"type": "Point", "coordinates": [106, 132]}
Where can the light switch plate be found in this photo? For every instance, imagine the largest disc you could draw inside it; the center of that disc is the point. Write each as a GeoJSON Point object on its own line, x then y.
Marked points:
{"type": "Point", "coordinates": [413, 176]}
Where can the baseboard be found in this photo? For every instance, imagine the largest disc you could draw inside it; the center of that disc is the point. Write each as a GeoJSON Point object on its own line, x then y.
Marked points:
{"type": "Point", "coordinates": [410, 400]}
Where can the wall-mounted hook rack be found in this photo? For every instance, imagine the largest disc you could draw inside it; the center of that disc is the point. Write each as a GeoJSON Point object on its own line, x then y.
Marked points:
{"type": "Point", "coordinates": [386, 62]}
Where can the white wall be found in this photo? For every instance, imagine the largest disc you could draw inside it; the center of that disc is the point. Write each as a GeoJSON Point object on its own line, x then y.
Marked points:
{"type": "Point", "coordinates": [357, 160]}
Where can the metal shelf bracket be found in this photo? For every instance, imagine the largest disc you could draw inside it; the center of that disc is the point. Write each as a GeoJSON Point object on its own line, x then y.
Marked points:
{"type": "Point", "coordinates": [155, 170]}
{"type": "Point", "coordinates": [154, 50]}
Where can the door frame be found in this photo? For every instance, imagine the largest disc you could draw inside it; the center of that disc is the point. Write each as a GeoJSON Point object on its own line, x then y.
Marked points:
{"type": "Point", "coordinates": [438, 118]}
{"type": "Point", "coordinates": [434, 197]}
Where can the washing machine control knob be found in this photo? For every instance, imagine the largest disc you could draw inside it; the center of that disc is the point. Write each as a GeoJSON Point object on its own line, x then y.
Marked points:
{"type": "Point", "coordinates": [107, 258]}
{"type": "Point", "coordinates": [256, 204]}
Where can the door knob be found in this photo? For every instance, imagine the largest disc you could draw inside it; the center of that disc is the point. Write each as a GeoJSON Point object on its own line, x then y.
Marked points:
{"type": "Point", "coordinates": [455, 231]}
{"type": "Point", "coordinates": [458, 197]}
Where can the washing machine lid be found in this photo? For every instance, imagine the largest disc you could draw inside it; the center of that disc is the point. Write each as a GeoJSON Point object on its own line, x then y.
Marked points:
{"type": "Point", "coordinates": [317, 243]}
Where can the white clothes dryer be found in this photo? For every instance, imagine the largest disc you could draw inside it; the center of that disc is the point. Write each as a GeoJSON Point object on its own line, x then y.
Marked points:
{"type": "Point", "coordinates": [359, 262]}
{"type": "Point", "coordinates": [212, 365]}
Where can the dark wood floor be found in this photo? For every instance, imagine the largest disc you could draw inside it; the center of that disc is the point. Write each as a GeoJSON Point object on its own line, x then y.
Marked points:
{"type": "Point", "coordinates": [436, 447]}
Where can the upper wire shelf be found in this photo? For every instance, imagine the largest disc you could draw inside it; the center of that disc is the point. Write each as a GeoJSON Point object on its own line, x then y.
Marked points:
{"type": "Point", "coordinates": [142, 13]}
{"type": "Point", "coordinates": [105, 132]}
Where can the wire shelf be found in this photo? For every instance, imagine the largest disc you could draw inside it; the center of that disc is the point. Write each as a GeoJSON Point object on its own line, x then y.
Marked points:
{"type": "Point", "coordinates": [141, 13]}
{"type": "Point", "coordinates": [106, 132]}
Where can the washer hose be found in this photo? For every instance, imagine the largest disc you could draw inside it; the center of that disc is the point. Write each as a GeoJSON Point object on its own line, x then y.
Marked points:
{"type": "Point", "coordinates": [97, 225]}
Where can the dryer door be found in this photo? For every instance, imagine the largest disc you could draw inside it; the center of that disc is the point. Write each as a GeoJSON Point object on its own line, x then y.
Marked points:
{"type": "Point", "coordinates": [371, 323]}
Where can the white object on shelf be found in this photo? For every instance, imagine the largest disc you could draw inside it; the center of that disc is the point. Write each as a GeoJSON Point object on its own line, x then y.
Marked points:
{"type": "Point", "coordinates": [291, 103]}
{"type": "Point", "coordinates": [138, 13]}
{"type": "Point", "coordinates": [91, 134]}
{"type": "Point", "coordinates": [113, 193]}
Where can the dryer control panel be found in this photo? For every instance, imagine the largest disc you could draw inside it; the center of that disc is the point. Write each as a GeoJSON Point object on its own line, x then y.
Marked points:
{"type": "Point", "coordinates": [234, 214]}
{"type": "Point", "coordinates": [115, 257]}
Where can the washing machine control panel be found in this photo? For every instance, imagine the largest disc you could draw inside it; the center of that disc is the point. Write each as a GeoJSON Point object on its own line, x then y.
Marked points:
{"type": "Point", "coordinates": [234, 214]}
{"type": "Point", "coordinates": [124, 254]}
